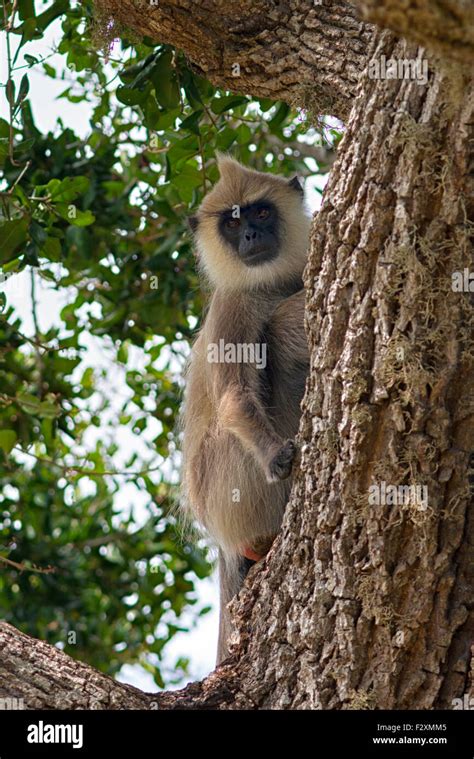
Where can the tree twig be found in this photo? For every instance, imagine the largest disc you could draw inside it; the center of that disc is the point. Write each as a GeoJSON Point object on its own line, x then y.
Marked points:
{"type": "Point", "coordinates": [87, 472]}
{"type": "Point", "coordinates": [23, 568]}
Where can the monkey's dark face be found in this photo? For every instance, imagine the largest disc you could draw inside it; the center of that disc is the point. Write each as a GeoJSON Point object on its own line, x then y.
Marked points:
{"type": "Point", "coordinates": [252, 231]}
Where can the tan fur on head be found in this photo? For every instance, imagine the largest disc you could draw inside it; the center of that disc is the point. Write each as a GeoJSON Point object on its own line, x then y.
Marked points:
{"type": "Point", "coordinates": [239, 186]}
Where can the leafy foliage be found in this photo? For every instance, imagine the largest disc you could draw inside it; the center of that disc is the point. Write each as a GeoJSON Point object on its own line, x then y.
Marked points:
{"type": "Point", "coordinates": [101, 221]}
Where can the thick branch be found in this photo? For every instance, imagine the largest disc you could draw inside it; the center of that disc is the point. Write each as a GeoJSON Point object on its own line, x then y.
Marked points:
{"type": "Point", "coordinates": [47, 678]}
{"type": "Point", "coordinates": [305, 54]}
{"type": "Point", "coordinates": [444, 26]}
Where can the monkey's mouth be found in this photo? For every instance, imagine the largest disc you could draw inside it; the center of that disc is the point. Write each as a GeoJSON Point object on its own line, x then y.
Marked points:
{"type": "Point", "coordinates": [260, 254]}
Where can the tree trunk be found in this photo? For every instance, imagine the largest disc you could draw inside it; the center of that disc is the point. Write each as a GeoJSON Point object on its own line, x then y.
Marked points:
{"type": "Point", "coordinates": [359, 604]}
{"type": "Point", "coordinates": [364, 604]}
{"type": "Point", "coordinates": [444, 26]}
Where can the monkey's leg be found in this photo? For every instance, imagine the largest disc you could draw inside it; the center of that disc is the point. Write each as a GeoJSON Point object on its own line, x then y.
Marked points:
{"type": "Point", "coordinates": [235, 387]}
{"type": "Point", "coordinates": [232, 573]}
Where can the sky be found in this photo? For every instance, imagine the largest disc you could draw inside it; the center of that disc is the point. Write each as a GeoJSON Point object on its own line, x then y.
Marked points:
{"type": "Point", "coordinates": [200, 643]}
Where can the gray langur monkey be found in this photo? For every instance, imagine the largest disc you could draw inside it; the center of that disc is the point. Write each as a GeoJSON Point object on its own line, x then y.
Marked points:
{"type": "Point", "coordinates": [248, 368]}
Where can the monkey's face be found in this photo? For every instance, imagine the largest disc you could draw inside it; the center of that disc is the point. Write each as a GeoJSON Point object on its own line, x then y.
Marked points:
{"type": "Point", "coordinates": [252, 232]}
{"type": "Point", "coordinates": [251, 229]}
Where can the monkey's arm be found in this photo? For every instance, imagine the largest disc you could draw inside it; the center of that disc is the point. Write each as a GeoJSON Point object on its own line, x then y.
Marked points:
{"type": "Point", "coordinates": [286, 325]}
{"type": "Point", "coordinates": [236, 386]}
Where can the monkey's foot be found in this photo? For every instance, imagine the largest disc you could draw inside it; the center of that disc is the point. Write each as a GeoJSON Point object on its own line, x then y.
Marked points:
{"type": "Point", "coordinates": [249, 553]}
{"type": "Point", "coordinates": [280, 465]}
{"type": "Point", "coordinates": [257, 549]}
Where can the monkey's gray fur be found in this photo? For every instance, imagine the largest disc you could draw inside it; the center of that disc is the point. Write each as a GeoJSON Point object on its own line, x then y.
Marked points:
{"type": "Point", "coordinates": [239, 421]}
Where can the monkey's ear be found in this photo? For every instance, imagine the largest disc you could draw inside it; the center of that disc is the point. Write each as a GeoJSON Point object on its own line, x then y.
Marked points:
{"type": "Point", "coordinates": [295, 184]}
{"type": "Point", "coordinates": [193, 223]}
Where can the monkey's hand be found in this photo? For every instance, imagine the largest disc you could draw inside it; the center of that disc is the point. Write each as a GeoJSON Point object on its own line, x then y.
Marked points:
{"type": "Point", "coordinates": [280, 465]}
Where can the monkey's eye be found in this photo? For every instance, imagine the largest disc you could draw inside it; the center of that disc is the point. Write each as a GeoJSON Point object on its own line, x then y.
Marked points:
{"type": "Point", "coordinates": [263, 213]}
{"type": "Point", "coordinates": [232, 223]}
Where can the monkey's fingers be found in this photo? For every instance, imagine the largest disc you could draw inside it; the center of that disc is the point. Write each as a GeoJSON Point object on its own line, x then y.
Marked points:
{"type": "Point", "coordinates": [281, 464]}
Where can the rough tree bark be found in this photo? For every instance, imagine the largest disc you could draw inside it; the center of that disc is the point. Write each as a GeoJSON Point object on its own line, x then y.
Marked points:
{"type": "Point", "coordinates": [444, 26]}
{"type": "Point", "coordinates": [305, 54]}
{"type": "Point", "coordinates": [358, 604]}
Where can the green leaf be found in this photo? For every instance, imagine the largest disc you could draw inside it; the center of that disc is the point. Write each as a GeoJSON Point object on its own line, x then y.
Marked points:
{"type": "Point", "coordinates": [26, 9]}
{"type": "Point", "coordinates": [49, 410]}
{"type": "Point", "coordinates": [69, 189]}
{"type": "Point", "coordinates": [191, 123]}
{"type": "Point", "coordinates": [129, 96]}
{"type": "Point", "coordinates": [8, 439]}
{"type": "Point", "coordinates": [51, 248]}
{"type": "Point", "coordinates": [74, 215]}
{"type": "Point", "coordinates": [47, 430]}
{"type": "Point", "coordinates": [281, 113]}
{"type": "Point", "coordinates": [4, 128]}
{"type": "Point", "coordinates": [165, 82]}
{"type": "Point", "coordinates": [226, 103]}
{"type": "Point", "coordinates": [28, 402]}
{"type": "Point", "coordinates": [183, 149]}
{"type": "Point", "coordinates": [130, 73]}
{"type": "Point", "coordinates": [227, 137]}
{"type": "Point", "coordinates": [188, 179]}
{"type": "Point", "coordinates": [28, 31]}
{"type": "Point", "coordinates": [24, 146]}
{"type": "Point", "coordinates": [50, 70]}
{"type": "Point", "coordinates": [37, 233]}
{"type": "Point", "coordinates": [13, 235]}
{"type": "Point", "coordinates": [33, 406]}
{"type": "Point", "coordinates": [10, 92]}
{"type": "Point", "coordinates": [57, 9]}
{"type": "Point", "coordinates": [23, 91]}
{"type": "Point", "coordinates": [266, 104]}
{"type": "Point", "coordinates": [4, 149]}
{"type": "Point", "coordinates": [78, 240]}
{"type": "Point", "coordinates": [191, 89]}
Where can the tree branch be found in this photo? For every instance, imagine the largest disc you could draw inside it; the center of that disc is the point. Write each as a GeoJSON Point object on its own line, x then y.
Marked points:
{"type": "Point", "coordinates": [305, 54]}
{"type": "Point", "coordinates": [46, 678]}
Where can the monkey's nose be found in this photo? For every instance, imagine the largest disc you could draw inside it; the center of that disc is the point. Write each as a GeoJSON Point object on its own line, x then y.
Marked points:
{"type": "Point", "coordinates": [250, 234]}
